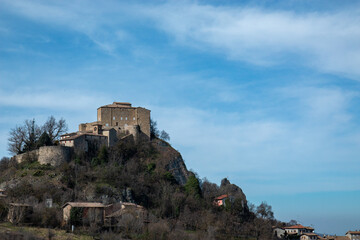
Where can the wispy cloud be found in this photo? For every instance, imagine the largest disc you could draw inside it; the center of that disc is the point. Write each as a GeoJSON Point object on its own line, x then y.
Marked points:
{"type": "Point", "coordinates": [324, 41]}
{"type": "Point", "coordinates": [49, 99]}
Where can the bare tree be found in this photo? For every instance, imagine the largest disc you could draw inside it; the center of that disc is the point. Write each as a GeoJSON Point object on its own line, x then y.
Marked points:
{"type": "Point", "coordinates": [164, 136]}
{"type": "Point", "coordinates": [16, 140]}
{"type": "Point", "coordinates": [54, 128]}
{"type": "Point", "coordinates": [23, 138]}
{"type": "Point", "coordinates": [264, 211]}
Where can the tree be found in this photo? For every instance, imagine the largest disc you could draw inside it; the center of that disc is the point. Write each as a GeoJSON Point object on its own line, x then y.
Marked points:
{"type": "Point", "coordinates": [16, 140]}
{"type": "Point", "coordinates": [54, 128]}
{"type": "Point", "coordinates": [154, 131]}
{"type": "Point", "coordinates": [25, 138]}
{"type": "Point", "coordinates": [192, 186]}
{"type": "Point", "coordinates": [44, 140]}
{"type": "Point", "coordinates": [264, 211]}
{"type": "Point", "coordinates": [164, 136]}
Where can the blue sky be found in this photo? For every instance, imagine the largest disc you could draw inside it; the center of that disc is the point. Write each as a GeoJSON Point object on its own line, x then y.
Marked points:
{"type": "Point", "coordinates": [265, 93]}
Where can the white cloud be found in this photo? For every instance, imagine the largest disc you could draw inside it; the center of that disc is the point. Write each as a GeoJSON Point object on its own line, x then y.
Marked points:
{"type": "Point", "coordinates": [51, 99]}
{"type": "Point", "coordinates": [325, 41]}
{"type": "Point", "coordinates": [306, 150]}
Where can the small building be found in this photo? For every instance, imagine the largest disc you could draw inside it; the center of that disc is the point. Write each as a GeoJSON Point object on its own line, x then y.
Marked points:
{"type": "Point", "coordinates": [309, 236]}
{"type": "Point", "coordinates": [82, 142]}
{"type": "Point", "coordinates": [353, 235]}
{"type": "Point", "coordinates": [298, 229]}
{"type": "Point", "coordinates": [120, 213]}
{"type": "Point", "coordinates": [221, 200]}
{"type": "Point", "coordinates": [19, 213]}
{"type": "Point", "coordinates": [83, 213]}
{"type": "Point", "coordinates": [278, 232]}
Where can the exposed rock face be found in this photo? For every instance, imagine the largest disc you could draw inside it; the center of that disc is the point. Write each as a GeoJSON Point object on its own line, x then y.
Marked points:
{"type": "Point", "coordinates": [171, 160]}
{"type": "Point", "coordinates": [178, 169]}
{"type": "Point", "coordinates": [228, 188]}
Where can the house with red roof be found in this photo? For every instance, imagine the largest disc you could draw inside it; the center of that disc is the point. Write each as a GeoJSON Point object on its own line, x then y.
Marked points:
{"type": "Point", "coordinates": [353, 235]}
{"type": "Point", "coordinates": [298, 230]}
{"type": "Point", "coordinates": [221, 200]}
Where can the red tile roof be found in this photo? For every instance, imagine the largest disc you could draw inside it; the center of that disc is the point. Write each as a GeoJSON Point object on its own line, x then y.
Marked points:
{"type": "Point", "coordinates": [222, 197]}
{"type": "Point", "coordinates": [298, 226]}
{"type": "Point", "coordinates": [354, 232]}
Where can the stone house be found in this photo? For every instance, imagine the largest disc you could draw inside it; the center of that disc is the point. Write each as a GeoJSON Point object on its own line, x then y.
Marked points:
{"type": "Point", "coordinates": [83, 142]}
{"type": "Point", "coordinates": [353, 235]}
{"type": "Point", "coordinates": [309, 236]}
{"type": "Point", "coordinates": [124, 212]}
{"type": "Point", "coordinates": [83, 213]}
{"type": "Point", "coordinates": [298, 229]}
{"type": "Point", "coordinates": [19, 213]}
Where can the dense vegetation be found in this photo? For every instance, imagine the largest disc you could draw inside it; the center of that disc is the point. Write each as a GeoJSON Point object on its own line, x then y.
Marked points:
{"type": "Point", "coordinates": [136, 172]}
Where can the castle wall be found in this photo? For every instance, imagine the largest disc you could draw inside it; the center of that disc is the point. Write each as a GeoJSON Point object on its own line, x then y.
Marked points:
{"type": "Point", "coordinates": [53, 155]}
{"type": "Point", "coordinates": [117, 116]}
{"type": "Point", "coordinates": [143, 120]}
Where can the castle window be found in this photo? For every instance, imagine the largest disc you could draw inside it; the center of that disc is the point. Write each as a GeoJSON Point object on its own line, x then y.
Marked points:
{"type": "Point", "coordinates": [107, 124]}
{"type": "Point", "coordinates": [117, 123]}
{"type": "Point", "coordinates": [121, 118]}
{"type": "Point", "coordinates": [134, 118]}
{"type": "Point", "coordinates": [113, 118]}
{"type": "Point", "coordinates": [126, 118]}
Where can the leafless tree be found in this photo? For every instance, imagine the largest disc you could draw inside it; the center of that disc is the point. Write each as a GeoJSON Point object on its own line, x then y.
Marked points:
{"type": "Point", "coordinates": [16, 140]}
{"type": "Point", "coordinates": [23, 138]}
{"type": "Point", "coordinates": [54, 128]}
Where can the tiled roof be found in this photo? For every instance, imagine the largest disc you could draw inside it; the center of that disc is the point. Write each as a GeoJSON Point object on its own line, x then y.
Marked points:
{"type": "Point", "coordinates": [222, 197]}
{"type": "Point", "coordinates": [354, 232]}
{"type": "Point", "coordinates": [19, 205]}
{"type": "Point", "coordinates": [298, 226]}
{"type": "Point", "coordinates": [118, 105]}
{"type": "Point", "coordinates": [84, 204]}
{"type": "Point", "coordinates": [309, 234]}
{"type": "Point", "coordinates": [81, 134]}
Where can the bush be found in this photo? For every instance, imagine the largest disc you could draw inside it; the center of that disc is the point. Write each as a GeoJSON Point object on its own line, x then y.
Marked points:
{"type": "Point", "coordinates": [192, 186]}
{"type": "Point", "coordinates": [76, 216]}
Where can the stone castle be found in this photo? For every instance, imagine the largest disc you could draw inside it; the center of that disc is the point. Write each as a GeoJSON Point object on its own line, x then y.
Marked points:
{"type": "Point", "coordinates": [115, 121]}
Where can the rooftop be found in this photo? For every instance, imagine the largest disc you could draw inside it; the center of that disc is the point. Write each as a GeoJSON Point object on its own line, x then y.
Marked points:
{"type": "Point", "coordinates": [354, 232]}
{"type": "Point", "coordinates": [118, 105]}
{"type": "Point", "coordinates": [84, 204]}
{"type": "Point", "coordinates": [222, 197]}
{"type": "Point", "coordinates": [79, 135]}
{"type": "Point", "coordinates": [298, 226]}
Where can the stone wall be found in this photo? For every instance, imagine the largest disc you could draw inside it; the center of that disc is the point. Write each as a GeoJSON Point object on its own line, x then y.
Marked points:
{"type": "Point", "coordinates": [53, 155]}
{"type": "Point", "coordinates": [143, 117]}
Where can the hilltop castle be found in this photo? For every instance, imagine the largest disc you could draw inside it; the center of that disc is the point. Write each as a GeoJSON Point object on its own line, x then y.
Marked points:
{"type": "Point", "coordinates": [114, 121]}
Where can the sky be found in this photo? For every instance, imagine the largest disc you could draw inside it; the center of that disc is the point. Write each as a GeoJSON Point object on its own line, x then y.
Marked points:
{"type": "Point", "coordinates": [265, 93]}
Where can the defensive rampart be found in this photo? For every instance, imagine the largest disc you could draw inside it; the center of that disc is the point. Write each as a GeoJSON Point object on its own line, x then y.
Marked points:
{"type": "Point", "coordinates": [53, 155]}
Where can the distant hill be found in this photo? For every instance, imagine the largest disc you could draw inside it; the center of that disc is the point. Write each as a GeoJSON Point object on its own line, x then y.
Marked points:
{"type": "Point", "coordinates": [148, 173]}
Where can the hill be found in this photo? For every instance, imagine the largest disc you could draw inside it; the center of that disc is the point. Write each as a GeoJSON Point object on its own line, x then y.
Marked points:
{"type": "Point", "coordinates": [149, 173]}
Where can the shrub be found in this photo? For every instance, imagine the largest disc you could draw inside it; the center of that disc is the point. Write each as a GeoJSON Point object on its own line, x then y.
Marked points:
{"type": "Point", "coordinates": [192, 186]}
{"type": "Point", "coordinates": [76, 216]}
